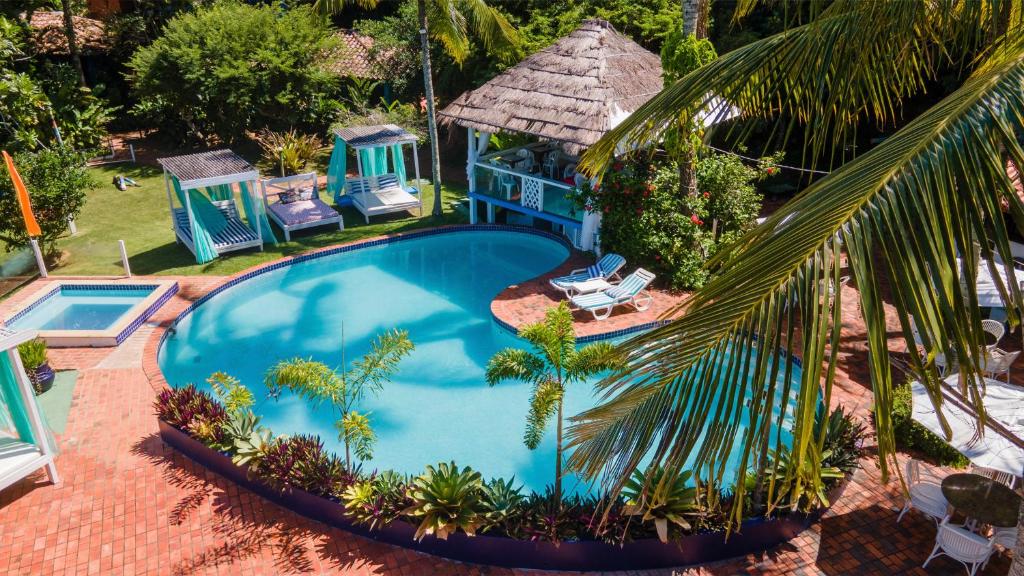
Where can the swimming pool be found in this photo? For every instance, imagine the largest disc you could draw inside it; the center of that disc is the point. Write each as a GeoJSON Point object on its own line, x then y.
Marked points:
{"type": "Point", "coordinates": [90, 313]}
{"type": "Point", "coordinates": [438, 287]}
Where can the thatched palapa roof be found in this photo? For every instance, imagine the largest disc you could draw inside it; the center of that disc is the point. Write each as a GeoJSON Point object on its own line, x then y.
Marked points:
{"type": "Point", "coordinates": [572, 92]}
{"type": "Point", "coordinates": [48, 33]}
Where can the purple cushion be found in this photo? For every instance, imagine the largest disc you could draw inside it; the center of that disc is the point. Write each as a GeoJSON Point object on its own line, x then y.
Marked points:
{"type": "Point", "coordinates": [302, 211]}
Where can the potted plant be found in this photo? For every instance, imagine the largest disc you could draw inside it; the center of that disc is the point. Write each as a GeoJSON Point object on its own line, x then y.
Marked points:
{"type": "Point", "coordinates": [33, 356]}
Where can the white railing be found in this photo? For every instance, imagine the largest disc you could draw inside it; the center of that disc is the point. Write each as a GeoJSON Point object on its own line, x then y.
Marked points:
{"type": "Point", "coordinates": [532, 187]}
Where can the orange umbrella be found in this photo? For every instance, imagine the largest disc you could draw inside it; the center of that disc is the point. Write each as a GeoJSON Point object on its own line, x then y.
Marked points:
{"type": "Point", "coordinates": [26, 206]}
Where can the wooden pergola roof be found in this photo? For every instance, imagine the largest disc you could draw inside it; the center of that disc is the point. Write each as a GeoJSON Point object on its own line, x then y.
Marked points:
{"type": "Point", "coordinates": [375, 136]}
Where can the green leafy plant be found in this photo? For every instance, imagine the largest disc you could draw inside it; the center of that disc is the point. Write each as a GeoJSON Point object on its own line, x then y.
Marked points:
{"type": "Point", "coordinates": [660, 498]}
{"type": "Point", "coordinates": [301, 462]}
{"type": "Point", "coordinates": [801, 484]}
{"type": "Point", "coordinates": [379, 500]}
{"type": "Point", "coordinates": [501, 505]}
{"type": "Point", "coordinates": [446, 499]}
{"type": "Point", "coordinates": [344, 389]}
{"type": "Point", "coordinates": [554, 364]}
{"type": "Point", "coordinates": [843, 436]}
{"type": "Point", "coordinates": [33, 353]}
{"type": "Point", "coordinates": [230, 392]}
{"type": "Point", "coordinates": [192, 411]}
{"type": "Point", "coordinates": [57, 182]}
{"type": "Point", "coordinates": [289, 152]}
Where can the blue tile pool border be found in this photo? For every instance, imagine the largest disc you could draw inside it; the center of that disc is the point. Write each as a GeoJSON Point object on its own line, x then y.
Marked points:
{"type": "Point", "coordinates": [149, 311]}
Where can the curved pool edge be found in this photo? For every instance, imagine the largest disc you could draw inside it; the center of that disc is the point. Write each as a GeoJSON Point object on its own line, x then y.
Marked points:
{"type": "Point", "coordinates": [150, 359]}
{"type": "Point", "coordinates": [755, 535]}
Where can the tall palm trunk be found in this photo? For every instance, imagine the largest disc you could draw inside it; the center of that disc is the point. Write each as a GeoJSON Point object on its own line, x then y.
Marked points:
{"type": "Point", "coordinates": [428, 89]}
{"type": "Point", "coordinates": [691, 16]}
{"type": "Point", "coordinates": [558, 458]}
{"type": "Point", "coordinates": [73, 49]}
{"type": "Point", "coordinates": [693, 23]}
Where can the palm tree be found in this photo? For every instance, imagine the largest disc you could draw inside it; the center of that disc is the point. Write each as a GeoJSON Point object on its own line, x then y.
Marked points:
{"type": "Point", "coordinates": [903, 212]}
{"type": "Point", "coordinates": [344, 388]}
{"type": "Point", "coordinates": [445, 21]}
{"type": "Point", "coordinates": [554, 364]}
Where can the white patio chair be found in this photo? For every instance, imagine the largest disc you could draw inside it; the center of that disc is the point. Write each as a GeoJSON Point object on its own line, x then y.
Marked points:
{"type": "Point", "coordinates": [970, 549]}
{"type": "Point", "coordinates": [1005, 537]}
{"type": "Point", "coordinates": [998, 363]}
{"type": "Point", "coordinates": [508, 183]}
{"type": "Point", "coordinates": [551, 164]}
{"type": "Point", "coordinates": [1004, 478]}
{"type": "Point", "coordinates": [923, 494]}
{"type": "Point", "coordinates": [994, 327]}
{"type": "Point", "coordinates": [569, 171]}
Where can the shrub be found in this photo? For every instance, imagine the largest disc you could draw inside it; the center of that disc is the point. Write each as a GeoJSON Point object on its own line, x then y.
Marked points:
{"type": "Point", "coordinates": [502, 506]}
{"type": "Point", "coordinates": [193, 411]}
{"type": "Point", "coordinates": [446, 499]}
{"type": "Point", "coordinates": [301, 462]}
{"type": "Point", "coordinates": [910, 435]}
{"type": "Point", "coordinates": [288, 152]}
{"type": "Point", "coordinates": [843, 437]}
{"type": "Point", "coordinates": [733, 202]}
{"type": "Point", "coordinates": [377, 501]}
{"type": "Point", "coordinates": [56, 180]}
{"type": "Point", "coordinates": [232, 67]}
{"type": "Point", "coordinates": [670, 505]}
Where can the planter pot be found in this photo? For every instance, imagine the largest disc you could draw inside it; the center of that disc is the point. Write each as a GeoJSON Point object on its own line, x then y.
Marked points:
{"type": "Point", "coordinates": [42, 377]}
{"type": "Point", "coordinates": [754, 536]}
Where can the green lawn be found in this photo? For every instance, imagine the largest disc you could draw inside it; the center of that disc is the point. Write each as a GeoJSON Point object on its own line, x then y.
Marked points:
{"type": "Point", "coordinates": [141, 217]}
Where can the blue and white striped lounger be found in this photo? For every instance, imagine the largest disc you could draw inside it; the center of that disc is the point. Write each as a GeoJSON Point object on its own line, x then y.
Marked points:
{"type": "Point", "coordinates": [234, 236]}
{"type": "Point", "coordinates": [632, 290]}
{"type": "Point", "coordinates": [607, 268]}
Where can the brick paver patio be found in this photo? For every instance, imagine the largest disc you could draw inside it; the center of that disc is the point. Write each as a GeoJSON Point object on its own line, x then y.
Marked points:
{"type": "Point", "coordinates": [128, 504]}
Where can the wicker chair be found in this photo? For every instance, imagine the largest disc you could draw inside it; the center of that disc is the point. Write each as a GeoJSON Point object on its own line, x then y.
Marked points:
{"type": "Point", "coordinates": [924, 495]}
{"type": "Point", "coordinates": [966, 547]}
{"type": "Point", "coordinates": [998, 363]}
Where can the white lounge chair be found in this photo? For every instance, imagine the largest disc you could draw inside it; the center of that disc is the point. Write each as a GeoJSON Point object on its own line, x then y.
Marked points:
{"type": "Point", "coordinates": [923, 495]}
{"type": "Point", "coordinates": [632, 290]}
{"type": "Point", "coordinates": [962, 545]}
{"type": "Point", "coordinates": [607, 268]}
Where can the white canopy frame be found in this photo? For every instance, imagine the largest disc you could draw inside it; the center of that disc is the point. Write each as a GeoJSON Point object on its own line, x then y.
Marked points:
{"type": "Point", "coordinates": [373, 195]}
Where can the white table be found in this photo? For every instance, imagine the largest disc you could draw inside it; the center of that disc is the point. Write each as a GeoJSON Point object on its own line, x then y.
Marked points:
{"type": "Point", "coordinates": [589, 286]}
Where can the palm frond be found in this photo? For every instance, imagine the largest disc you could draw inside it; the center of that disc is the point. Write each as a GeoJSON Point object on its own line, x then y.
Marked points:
{"type": "Point", "coordinates": [377, 366]}
{"type": "Point", "coordinates": [547, 395]}
{"type": "Point", "coordinates": [327, 7]}
{"type": "Point", "coordinates": [904, 213]}
{"type": "Point", "coordinates": [447, 24]}
{"type": "Point", "coordinates": [514, 364]}
{"type": "Point", "coordinates": [855, 60]}
{"type": "Point", "coordinates": [306, 377]}
{"type": "Point", "coordinates": [491, 26]}
{"type": "Point", "coordinates": [592, 359]}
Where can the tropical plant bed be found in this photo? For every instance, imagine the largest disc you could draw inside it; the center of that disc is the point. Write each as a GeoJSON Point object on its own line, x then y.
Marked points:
{"type": "Point", "coordinates": [755, 535]}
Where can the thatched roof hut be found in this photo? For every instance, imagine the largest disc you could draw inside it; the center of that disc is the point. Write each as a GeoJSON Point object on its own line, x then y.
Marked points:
{"type": "Point", "coordinates": [48, 33]}
{"type": "Point", "coordinates": [571, 92]}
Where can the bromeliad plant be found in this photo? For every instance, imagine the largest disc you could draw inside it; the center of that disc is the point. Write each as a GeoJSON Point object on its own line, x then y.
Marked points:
{"type": "Point", "coordinates": [555, 364]}
{"type": "Point", "coordinates": [193, 411]}
{"type": "Point", "coordinates": [379, 500]}
{"type": "Point", "coordinates": [344, 389]}
{"type": "Point", "coordinates": [661, 506]}
{"type": "Point", "coordinates": [502, 505]}
{"type": "Point", "coordinates": [446, 499]}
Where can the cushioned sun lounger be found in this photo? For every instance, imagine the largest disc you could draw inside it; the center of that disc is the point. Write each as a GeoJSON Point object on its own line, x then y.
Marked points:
{"type": "Point", "coordinates": [293, 203]}
{"type": "Point", "coordinates": [632, 290]}
{"type": "Point", "coordinates": [607, 268]}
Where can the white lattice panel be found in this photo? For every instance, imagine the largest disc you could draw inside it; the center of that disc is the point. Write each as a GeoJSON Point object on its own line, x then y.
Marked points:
{"type": "Point", "coordinates": [533, 194]}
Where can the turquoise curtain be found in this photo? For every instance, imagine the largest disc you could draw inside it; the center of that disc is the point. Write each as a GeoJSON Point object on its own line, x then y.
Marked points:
{"type": "Point", "coordinates": [202, 240]}
{"type": "Point", "coordinates": [336, 170]}
{"type": "Point", "coordinates": [255, 212]}
{"type": "Point", "coordinates": [219, 192]}
{"type": "Point", "coordinates": [15, 415]}
{"type": "Point", "coordinates": [398, 161]}
{"type": "Point", "coordinates": [374, 161]}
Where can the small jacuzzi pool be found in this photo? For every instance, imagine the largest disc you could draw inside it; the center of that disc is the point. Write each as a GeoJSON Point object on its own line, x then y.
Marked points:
{"type": "Point", "coordinates": [87, 313]}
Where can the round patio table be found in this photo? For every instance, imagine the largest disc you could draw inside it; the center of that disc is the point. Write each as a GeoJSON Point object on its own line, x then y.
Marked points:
{"type": "Point", "coordinates": [982, 499]}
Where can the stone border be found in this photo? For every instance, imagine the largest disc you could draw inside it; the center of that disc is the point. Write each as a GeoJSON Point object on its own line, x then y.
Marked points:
{"type": "Point", "coordinates": [755, 536]}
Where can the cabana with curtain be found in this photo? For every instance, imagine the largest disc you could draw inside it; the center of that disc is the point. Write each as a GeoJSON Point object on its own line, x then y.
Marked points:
{"type": "Point", "coordinates": [25, 442]}
{"type": "Point", "coordinates": [207, 220]}
{"type": "Point", "coordinates": [381, 187]}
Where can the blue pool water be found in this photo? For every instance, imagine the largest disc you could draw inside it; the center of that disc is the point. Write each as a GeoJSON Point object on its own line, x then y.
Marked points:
{"type": "Point", "coordinates": [437, 287]}
{"type": "Point", "coordinates": [74, 308]}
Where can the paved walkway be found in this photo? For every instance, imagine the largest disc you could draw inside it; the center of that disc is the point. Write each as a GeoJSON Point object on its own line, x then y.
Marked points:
{"type": "Point", "coordinates": [128, 504]}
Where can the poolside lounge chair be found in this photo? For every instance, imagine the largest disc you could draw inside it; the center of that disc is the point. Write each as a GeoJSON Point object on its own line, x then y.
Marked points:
{"type": "Point", "coordinates": [297, 213]}
{"type": "Point", "coordinates": [632, 290]}
{"type": "Point", "coordinates": [607, 268]}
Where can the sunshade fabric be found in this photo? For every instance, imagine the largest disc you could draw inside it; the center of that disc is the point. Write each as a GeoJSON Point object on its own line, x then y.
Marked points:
{"type": "Point", "coordinates": [1004, 403]}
